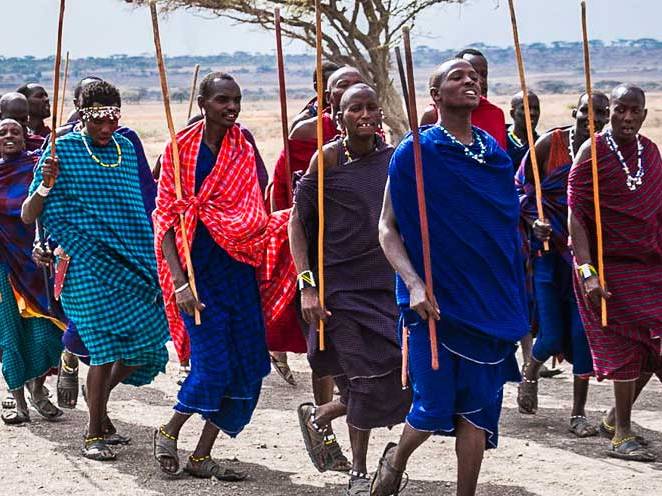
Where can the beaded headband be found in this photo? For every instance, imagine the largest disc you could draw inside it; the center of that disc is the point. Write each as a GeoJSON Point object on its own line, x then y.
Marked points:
{"type": "Point", "coordinates": [90, 113]}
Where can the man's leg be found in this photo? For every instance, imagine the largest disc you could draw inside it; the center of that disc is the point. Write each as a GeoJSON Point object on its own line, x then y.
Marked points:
{"type": "Point", "coordinates": [469, 448]}
{"type": "Point", "coordinates": [610, 419]}
{"type": "Point", "coordinates": [527, 346]}
{"type": "Point", "coordinates": [359, 440]}
{"type": "Point", "coordinates": [98, 381]}
{"type": "Point", "coordinates": [624, 392]}
{"type": "Point", "coordinates": [410, 440]}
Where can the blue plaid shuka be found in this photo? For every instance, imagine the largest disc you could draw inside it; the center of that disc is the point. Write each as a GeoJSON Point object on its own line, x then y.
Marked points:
{"type": "Point", "coordinates": [111, 291]}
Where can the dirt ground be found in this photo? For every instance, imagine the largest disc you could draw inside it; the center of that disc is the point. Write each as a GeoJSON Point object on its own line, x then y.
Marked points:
{"type": "Point", "coordinates": [536, 456]}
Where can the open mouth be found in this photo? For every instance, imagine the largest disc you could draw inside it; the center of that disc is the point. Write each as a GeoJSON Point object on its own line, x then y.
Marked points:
{"type": "Point", "coordinates": [366, 125]}
{"type": "Point", "coordinates": [231, 116]}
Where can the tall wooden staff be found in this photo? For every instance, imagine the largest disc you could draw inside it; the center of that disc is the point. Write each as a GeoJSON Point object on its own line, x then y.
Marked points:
{"type": "Point", "coordinates": [403, 79]}
{"type": "Point", "coordinates": [174, 149]}
{"type": "Point", "coordinates": [64, 88]}
{"type": "Point", "coordinates": [282, 93]}
{"type": "Point", "coordinates": [320, 166]}
{"type": "Point", "coordinates": [56, 91]}
{"type": "Point", "coordinates": [194, 85]}
{"type": "Point", "coordinates": [527, 116]}
{"type": "Point", "coordinates": [594, 163]}
{"type": "Point", "coordinates": [420, 191]}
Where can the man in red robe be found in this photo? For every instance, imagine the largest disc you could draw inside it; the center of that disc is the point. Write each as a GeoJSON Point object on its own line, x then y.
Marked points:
{"type": "Point", "coordinates": [627, 350]}
{"type": "Point", "coordinates": [486, 116]}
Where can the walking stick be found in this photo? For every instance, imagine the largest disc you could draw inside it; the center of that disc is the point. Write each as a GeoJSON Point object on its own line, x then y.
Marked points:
{"type": "Point", "coordinates": [174, 149]}
{"type": "Point", "coordinates": [320, 166]}
{"type": "Point", "coordinates": [405, 358]}
{"type": "Point", "coordinates": [41, 237]}
{"type": "Point", "coordinates": [420, 192]}
{"type": "Point", "coordinates": [594, 163]}
{"type": "Point", "coordinates": [527, 117]}
{"type": "Point", "coordinates": [64, 88]}
{"type": "Point", "coordinates": [282, 93]}
{"type": "Point", "coordinates": [194, 85]}
{"type": "Point", "coordinates": [403, 80]}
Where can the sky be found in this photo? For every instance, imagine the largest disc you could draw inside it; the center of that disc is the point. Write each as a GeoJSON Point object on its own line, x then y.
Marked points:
{"type": "Point", "coordinates": [108, 27]}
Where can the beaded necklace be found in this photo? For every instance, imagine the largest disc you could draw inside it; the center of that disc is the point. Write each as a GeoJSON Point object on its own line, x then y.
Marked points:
{"type": "Point", "coordinates": [571, 146]}
{"type": "Point", "coordinates": [518, 142]}
{"type": "Point", "coordinates": [632, 182]}
{"type": "Point", "coordinates": [478, 157]}
{"type": "Point", "coordinates": [348, 155]}
{"type": "Point", "coordinates": [97, 159]}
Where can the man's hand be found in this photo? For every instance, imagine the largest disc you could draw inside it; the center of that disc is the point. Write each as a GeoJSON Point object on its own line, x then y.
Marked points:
{"type": "Point", "coordinates": [50, 171]}
{"type": "Point", "coordinates": [593, 292]}
{"type": "Point", "coordinates": [42, 255]}
{"type": "Point", "coordinates": [542, 230]}
{"type": "Point", "coordinates": [188, 303]}
{"type": "Point", "coordinates": [311, 308]}
{"type": "Point", "coordinates": [419, 301]}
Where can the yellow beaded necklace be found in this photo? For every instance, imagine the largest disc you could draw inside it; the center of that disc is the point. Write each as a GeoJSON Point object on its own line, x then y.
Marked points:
{"type": "Point", "coordinates": [97, 159]}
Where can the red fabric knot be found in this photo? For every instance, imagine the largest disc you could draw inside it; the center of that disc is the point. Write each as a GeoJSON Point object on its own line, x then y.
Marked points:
{"type": "Point", "coordinates": [189, 205]}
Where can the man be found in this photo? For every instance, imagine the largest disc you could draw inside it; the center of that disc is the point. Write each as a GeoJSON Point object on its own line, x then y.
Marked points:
{"type": "Point", "coordinates": [516, 135]}
{"type": "Point", "coordinates": [479, 299]}
{"type": "Point", "coordinates": [362, 355]}
{"type": "Point", "coordinates": [312, 107]}
{"type": "Point", "coordinates": [286, 334]}
{"type": "Point", "coordinates": [89, 200]}
{"type": "Point", "coordinates": [15, 106]}
{"type": "Point", "coordinates": [560, 330]}
{"type": "Point", "coordinates": [486, 116]}
{"type": "Point", "coordinates": [244, 276]}
{"type": "Point", "coordinates": [29, 335]}
{"type": "Point", "coordinates": [39, 108]}
{"type": "Point", "coordinates": [627, 350]}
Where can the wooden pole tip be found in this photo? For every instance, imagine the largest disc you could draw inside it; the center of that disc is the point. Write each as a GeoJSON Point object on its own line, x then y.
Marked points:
{"type": "Point", "coordinates": [277, 11]}
{"type": "Point", "coordinates": [405, 30]}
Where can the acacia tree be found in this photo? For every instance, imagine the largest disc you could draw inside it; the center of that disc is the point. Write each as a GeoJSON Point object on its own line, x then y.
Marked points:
{"type": "Point", "coordinates": [360, 33]}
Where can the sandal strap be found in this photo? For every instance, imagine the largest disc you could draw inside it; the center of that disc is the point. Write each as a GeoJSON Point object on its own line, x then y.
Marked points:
{"type": "Point", "coordinates": [620, 442]}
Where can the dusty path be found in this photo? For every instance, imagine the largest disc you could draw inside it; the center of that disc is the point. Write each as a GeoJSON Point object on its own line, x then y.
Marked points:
{"type": "Point", "coordinates": [537, 456]}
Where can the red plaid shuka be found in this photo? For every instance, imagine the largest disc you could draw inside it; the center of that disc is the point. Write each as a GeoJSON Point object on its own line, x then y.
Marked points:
{"type": "Point", "coordinates": [231, 207]}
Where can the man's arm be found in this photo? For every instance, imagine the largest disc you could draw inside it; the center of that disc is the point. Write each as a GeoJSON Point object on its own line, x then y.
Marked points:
{"type": "Point", "coordinates": [541, 229]}
{"type": "Point", "coordinates": [394, 249]}
{"type": "Point", "coordinates": [185, 299]}
{"type": "Point", "coordinates": [34, 204]}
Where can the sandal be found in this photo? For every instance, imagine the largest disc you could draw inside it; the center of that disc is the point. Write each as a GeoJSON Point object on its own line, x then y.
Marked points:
{"type": "Point", "coordinates": [283, 370]}
{"type": "Point", "coordinates": [336, 461]}
{"type": "Point", "coordinates": [313, 436]}
{"type": "Point", "coordinates": [67, 386]}
{"type": "Point", "coordinates": [630, 449]}
{"type": "Point", "coordinates": [609, 431]}
{"type": "Point", "coordinates": [206, 468]}
{"type": "Point", "coordinates": [96, 448]}
{"type": "Point", "coordinates": [581, 427]}
{"type": "Point", "coordinates": [45, 408]}
{"type": "Point", "coordinates": [527, 396]}
{"type": "Point", "coordinates": [358, 486]}
{"type": "Point", "coordinates": [387, 480]}
{"type": "Point", "coordinates": [15, 416]}
{"type": "Point", "coordinates": [165, 448]}
{"type": "Point", "coordinates": [110, 434]}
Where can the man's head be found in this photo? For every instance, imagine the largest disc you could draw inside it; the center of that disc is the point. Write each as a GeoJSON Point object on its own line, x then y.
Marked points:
{"type": "Point", "coordinates": [12, 141]}
{"type": "Point", "coordinates": [15, 106]}
{"type": "Point", "coordinates": [219, 99]}
{"type": "Point", "coordinates": [39, 106]}
{"type": "Point", "coordinates": [628, 112]}
{"type": "Point", "coordinates": [328, 68]}
{"type": "Point", "coordinates": [338, 83]}
{"type": "Point", "coordinates": [455, 85]}
{"type": "Point", "coordinates": [600, 114]}
{"type": "Point", "coordinates": [517, 110]}
{"type": "Point", "coordinates": [479, 63]}
{"type": "Point", "coordinates": [360, 114]}
{"type": "Point", "coordinates": [79, 88]}
{"type": "Point", "coordinates": [100, 104]}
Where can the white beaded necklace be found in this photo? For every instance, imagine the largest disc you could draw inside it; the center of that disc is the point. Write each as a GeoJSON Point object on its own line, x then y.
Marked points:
{"type": "Point", "coordinates": [478, 157]}
{"type": "Point", "coordinates": [571, 146]}
{"type": "Point", "coordinates": [632, 182]}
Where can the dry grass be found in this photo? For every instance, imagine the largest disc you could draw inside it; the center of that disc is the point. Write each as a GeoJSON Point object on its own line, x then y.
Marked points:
{"type": "Point", "coordinates": [263, 119]}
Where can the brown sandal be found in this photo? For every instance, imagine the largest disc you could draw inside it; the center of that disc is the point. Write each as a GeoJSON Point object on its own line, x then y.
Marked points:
{"type": "Point", "coordinates": [387, 480]}
{"type": "Point", "coordinates": [207, 468]}
{"type": "Point", "coordinates": [165, 447]}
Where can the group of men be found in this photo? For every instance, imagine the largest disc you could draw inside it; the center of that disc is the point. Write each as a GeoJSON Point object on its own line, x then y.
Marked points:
{"type": "Point", "coordinates": [123, 249]}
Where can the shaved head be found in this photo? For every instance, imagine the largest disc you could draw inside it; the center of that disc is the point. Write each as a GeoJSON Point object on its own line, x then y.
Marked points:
{"type": "Point", "coordinates": [629, 91]}
{"type": "Point", "coordinates": [343, 72]}
{"type": "Point", "coordinates": [13, 103]}
{"type": "Point", "coordinates": [360, 88]}
{"type": "Point", "coordinates": [440, 73]}
{"type": "Point", "coordinates": [518, 98]}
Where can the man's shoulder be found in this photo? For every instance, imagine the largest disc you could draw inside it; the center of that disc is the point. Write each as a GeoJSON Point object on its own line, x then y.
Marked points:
{"type": "Point", "coordinates": [305, 129]}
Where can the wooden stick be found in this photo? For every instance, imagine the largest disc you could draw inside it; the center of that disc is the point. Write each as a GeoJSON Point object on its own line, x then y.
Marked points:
{"type": "Point", "coordinates": [174, 148]}
{"type": "Point", "coordinates": [405, 357]}
{"type": "Point", "coordinates": [194, 85]}
{"type": "Point", "coordinates": [420, 192]}
{"type": "Point", "coordinates": [320, 166]}
{"type": "Point", "coordinates": [64, 88]}
{"type": "Point", "coordinates": [403, 79]}
{"type": "Point", "coordinates": [594, 163]}
{"type": "Point", "coordinates": [527, 117]}
{"type": "Point", "coordinates": [282, 93]}
{"type": "Point", "coordinates": [56, 80]}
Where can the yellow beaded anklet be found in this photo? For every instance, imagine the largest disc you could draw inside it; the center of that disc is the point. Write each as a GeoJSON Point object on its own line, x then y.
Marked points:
{"type": "Point", "coordinates": [621, 442]}
{"type": "Point", "coordinates": [199, 459]}
{"type": "Point", "coordinates": [165, 434]}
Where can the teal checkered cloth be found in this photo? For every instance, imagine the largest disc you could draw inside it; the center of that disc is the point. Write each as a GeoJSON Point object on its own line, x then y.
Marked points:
{"type": "Point", "coordinates": [30, 347]}
{"type": "Point", "coordinates": [111, 292]}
